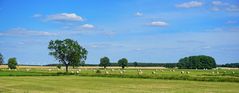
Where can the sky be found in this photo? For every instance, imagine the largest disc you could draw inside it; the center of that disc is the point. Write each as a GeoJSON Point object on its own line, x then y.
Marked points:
{"type": "Point", "coordinates": [153, 31]}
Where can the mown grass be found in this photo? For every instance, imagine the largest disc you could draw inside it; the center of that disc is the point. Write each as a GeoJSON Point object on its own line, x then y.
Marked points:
{"type": "Point", "coordinates": [76, 84]}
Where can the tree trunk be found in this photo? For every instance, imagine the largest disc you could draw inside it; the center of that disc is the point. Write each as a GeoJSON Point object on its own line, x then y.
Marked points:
{"type": "Point", "coordinates": [66, 68]}
{"type": "Point", "coordinates": [104, 67]}
{"type": "Point", "coordinates": [122, 67]}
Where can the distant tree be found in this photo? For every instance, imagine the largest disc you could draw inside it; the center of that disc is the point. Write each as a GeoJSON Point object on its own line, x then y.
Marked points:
{"type": "Point", "coordinates": [12, 63]}
{"type": "Point", "coordinates": [199, 62]}
{"type": "Point", "coordinates": [123, 62]}
{"type": "Point", "coordinates": [68, 52]}
{"type": "Point", "coordinates": [105, 61]}
{"type": "Point", "coordinates": [1, 59]}
{"type": "Point", "coordinates": [135, 64]}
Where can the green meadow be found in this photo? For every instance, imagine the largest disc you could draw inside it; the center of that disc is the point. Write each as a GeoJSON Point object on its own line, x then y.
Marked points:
{"type": "Point", "coordinates": [78, 84]}
{"type": "Point", "coordinates": [115, 80]}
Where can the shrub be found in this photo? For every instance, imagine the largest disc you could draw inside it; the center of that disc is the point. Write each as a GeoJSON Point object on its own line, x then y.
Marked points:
{"type": "Point", "coordinates": [98, 71]}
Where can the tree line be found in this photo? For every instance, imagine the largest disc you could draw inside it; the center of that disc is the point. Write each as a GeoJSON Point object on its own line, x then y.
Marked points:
{"type": "Point", "coordinates": [232, 65]}
{"type": "Point", "coordinates": [197, 62]}
{"type": "Point", "coordinates": [70, 53]}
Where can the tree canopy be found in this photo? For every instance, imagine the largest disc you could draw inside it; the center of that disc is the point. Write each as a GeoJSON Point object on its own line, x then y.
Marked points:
{"type": "Point", "coordinates": [123, 62]}
{"type": "Point", "coordinates": [67, 52]}
{"type": "Point", "coordinates": [105, 61]}
{"type": "Point", "coordinates": [135, 64]}
{"type": "Point", "coordinates": [12, 63]}
{"type": "Point", "coordinates": [1, 59]}
{"type": "Point", "coordinates": [197, 62]}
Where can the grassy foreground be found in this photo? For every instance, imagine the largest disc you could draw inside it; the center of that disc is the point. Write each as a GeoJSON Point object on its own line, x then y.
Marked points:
{"type": "Point", "coordinates": [78, 84]}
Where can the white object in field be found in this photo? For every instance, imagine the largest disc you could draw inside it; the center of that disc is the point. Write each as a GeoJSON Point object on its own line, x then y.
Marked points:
{"type": "Point", "coordinates": [153, 72]}
{"type": "Point", "coordinates": [72, 71]}
{"type": "Point", "coordinates": [77, 72]}
{"type": "Point", "coordinates": [28, 69]}
{"type": "Point", "coordinates": [49, 69]}
{"type": "Point", "coordinates": [140, 72]}
{"type": "Point", "coordinates": [106, 72]}
{"type": "Point", "coordinates": [121, 72]}
{"type": "Point", "coordinates": [182, 72]}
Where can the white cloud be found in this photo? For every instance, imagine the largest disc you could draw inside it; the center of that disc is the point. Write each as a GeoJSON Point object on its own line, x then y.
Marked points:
{"type": "Point", "coordinates": [26, 32]}
{"type": "Point", "coordinates": [64, 17]}
{"type": "Point", "coordinates": [231, 22]}
{"type": "Point", "coordinates": [105, 45]}
{"type": "Point", "coordinates": [217, 3]}
{"type": "Point", "coordinates": [37, 15]}
{"type": "Point", "coordinates": [215, 9]}
{"type": "Point", "coordinates": [190, 4]}
{"type": "Point", "coordinates": [158, 23]}
{"type": "Point", "coordinates": [88, 26]}
{"type": "Point", "coordinates": [139, 14]}
{"type": "Point", "coordinates": [223, 6]}
{"type": "Point", "coordinates": [138, 49]}
{"type": "Point", "coordinates": [232, 8]}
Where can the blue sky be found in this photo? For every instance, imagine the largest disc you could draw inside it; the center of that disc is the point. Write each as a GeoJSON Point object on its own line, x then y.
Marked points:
{"type": "Point", "coordinates": [140, 30]}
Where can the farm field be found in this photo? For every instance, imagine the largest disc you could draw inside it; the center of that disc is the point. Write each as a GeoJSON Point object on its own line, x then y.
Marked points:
{"type": "Point", "coordinates": [78, 84]}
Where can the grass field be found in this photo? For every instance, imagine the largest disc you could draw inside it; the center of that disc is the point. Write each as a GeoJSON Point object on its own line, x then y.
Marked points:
{"type": "Point", "coordinates": [43, 79]}
{"type": "Point", "coordinates": [77, 84]}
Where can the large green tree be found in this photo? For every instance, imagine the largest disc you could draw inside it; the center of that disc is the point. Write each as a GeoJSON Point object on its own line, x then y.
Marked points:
{"type": "Point", "coordinates": [199, 62]}
{"type": "Point", "coordinates": [123, 62]}
{"type": "Point", "coordinates": [67, 52]}
{"type": "Point", "coordinates": [105, 61]}
{"type": "Point", "coordinates": [1, 59]}
{"type": "Point", "coordinates": [12, 63]}
{"type": "Point", "coordinates": [135, 64]}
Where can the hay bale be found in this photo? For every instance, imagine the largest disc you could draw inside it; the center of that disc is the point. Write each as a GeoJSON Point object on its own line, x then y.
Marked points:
{"type": "Point", "coordinates": [153, 72]}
